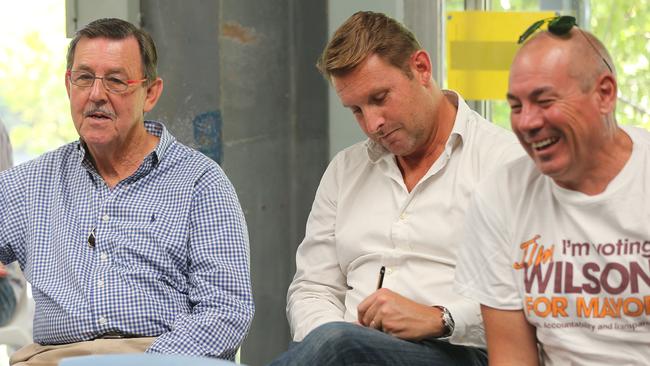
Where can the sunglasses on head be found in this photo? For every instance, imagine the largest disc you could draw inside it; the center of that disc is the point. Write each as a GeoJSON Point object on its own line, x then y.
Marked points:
{"type": "Point", "coordinates": [559, 26]}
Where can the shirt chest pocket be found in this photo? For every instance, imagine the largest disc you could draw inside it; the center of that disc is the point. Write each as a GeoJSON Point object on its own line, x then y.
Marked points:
{"type": "Point", "coordinates": [150, 241]}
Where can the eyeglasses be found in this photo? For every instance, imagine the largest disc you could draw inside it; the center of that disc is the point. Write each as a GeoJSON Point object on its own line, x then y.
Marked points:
{"type": "Point", "coordinates": [559, 26]}
{"type": "Point", "coordinates": [111, 83]}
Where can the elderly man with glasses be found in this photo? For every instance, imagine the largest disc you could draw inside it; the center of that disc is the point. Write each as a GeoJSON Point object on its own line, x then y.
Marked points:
{"type": "Point", "coordinates": [132, 242]}
{"type": "Point", "coordinates": [557, 243]}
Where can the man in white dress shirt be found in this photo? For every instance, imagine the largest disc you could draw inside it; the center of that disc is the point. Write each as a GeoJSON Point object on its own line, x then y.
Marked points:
{"type": "Point", "coordinates": [394, 205]}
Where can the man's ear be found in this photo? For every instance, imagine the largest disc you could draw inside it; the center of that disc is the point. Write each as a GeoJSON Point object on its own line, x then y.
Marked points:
{"type": "Point", "coordinates": [67, 84]}
{"type": "Point", "coordinates": [154, 90]}
{"type": "Point", "coordinates": [421, 66]}
{"type": "Point", "coordinates": [607, 89]}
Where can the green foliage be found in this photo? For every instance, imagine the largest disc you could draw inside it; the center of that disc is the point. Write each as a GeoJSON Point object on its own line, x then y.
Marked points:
{"type": "Point", "coordinates": [624, 27]}
{"type": "Point", "coordinates": [34, 104]}
{"type": "Point", "coordinates": [33, 100]}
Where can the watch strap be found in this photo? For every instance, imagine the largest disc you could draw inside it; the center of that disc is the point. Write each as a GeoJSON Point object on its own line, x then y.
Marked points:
{"type": "Point", "coordinates": [447, 321]}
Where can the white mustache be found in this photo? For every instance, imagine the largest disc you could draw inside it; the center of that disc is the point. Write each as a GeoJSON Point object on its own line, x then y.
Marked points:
{"type": "Point", "coordinates": [99, 110]}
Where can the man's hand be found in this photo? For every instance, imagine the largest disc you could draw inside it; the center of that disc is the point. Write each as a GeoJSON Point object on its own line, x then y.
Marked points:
{"type": "Point", "coordinates": [396, 315]}
{"type": "Point", "coordinates": [3, 271]}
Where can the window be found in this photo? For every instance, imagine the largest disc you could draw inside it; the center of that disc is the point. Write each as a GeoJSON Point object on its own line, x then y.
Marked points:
{"type": "Point", "coordinates": [624, 27]}
{"type": "Point", "coordinates": [33, 101]}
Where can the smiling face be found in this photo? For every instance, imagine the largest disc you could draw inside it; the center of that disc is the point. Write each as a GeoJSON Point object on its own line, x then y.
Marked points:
{"type": "Point", "coordinates": [105, 119]}
{"type": "Point", "coordinates": [559, 124]}
{"type": "Point", "coordinates": [391, 108]}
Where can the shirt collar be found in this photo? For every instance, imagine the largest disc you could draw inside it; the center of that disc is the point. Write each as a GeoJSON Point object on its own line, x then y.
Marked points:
{"type": "Point", "coordinates": [376, 152]}
{"type": "Point", "coordinates": [166, 139]}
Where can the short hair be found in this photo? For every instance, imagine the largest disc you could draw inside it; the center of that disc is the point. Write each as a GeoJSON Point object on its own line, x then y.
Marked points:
{"type": "Point", "coordinates": [117, 29]}
{"type": "Point", "coordinates": [585, 45]}
{"type": "Point", "coordinates": [363, 34]}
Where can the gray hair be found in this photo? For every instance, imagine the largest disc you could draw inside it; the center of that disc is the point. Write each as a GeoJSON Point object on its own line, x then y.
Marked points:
{"type": "Point", "coordinates": [113, 28]}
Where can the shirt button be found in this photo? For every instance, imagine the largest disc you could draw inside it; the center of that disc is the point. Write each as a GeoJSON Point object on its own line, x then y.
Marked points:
{"type": "Point", "coordinates": [403, 216]}
{"type": "Point", "coordinates": [105, 218]}
{"type": "Point", "coordinates": [103, 256]}
{"type": "Point", "coordinates": [102, 320]}
{"type": "Point", "coordinates": [100, 283]}
{"type": "Point", "coordinates": [389, 271]}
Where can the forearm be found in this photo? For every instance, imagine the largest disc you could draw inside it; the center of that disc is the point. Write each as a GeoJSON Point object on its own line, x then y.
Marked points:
{"type": "Point", "coordinates": [511, 339]}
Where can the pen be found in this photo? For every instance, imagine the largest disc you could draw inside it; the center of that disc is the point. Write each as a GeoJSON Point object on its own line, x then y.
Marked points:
{"type": "Point", "coordinates": [382, 270]}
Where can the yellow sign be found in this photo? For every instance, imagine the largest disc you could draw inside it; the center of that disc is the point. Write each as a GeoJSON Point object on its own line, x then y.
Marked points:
{"type": "Point", "coordinates": [480, 49]}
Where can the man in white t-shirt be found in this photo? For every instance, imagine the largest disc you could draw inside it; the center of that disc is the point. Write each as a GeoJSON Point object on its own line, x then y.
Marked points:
{"type": "Point", "coordinates": [557, 245]}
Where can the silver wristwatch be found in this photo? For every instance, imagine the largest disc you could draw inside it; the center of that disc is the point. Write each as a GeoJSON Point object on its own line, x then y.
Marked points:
{"type": "Point", "coordinates": [447, 321]}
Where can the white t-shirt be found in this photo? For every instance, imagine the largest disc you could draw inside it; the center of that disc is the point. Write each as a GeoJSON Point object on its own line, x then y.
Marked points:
{"type": "Point", "coordinates": [577, 265]}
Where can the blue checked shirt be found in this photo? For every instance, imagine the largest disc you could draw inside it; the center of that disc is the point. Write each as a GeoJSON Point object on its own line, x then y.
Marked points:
{"type": "Point", "coordinates": [170, 256]}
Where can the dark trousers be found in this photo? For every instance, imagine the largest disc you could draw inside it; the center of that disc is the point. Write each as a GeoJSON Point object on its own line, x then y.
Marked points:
{"type": "Point", "coordinates": [342, 343]}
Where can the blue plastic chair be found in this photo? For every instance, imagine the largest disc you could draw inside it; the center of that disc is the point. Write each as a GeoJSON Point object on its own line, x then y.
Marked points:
{"type": "Point", "coordinates": [142, 359]}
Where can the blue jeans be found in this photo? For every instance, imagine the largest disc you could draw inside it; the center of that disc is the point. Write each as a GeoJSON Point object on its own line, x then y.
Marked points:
{"type": "Point", "coordinates": [7, 301]}
{"type": "Point", "coordinates": [342, 343]}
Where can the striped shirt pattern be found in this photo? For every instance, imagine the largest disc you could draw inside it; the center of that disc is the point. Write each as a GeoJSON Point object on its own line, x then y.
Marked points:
{"type": "Point", "coordinates": [164, 253]}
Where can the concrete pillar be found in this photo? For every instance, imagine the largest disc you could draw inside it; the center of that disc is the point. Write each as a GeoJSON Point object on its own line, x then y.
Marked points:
{"type": "Point", "coordinates": [240, 86]}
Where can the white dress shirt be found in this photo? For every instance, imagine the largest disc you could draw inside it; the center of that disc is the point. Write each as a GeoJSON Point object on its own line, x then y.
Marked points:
{"type": "Point", "coordinates": [363, 217]}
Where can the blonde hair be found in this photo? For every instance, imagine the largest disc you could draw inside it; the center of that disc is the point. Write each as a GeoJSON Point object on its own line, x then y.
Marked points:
{"type": "Point", "coordinates": [363, 34]}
